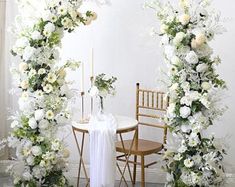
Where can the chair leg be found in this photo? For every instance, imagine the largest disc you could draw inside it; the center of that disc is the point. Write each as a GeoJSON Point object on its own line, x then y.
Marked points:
{"type": "Point", "coordinates": [142, 172]}
{"type": "Point", "coordinates": [134, 169]}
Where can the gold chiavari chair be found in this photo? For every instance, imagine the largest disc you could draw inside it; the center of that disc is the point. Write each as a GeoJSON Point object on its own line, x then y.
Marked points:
{"type": "Point", "coordinates": [146, 101]}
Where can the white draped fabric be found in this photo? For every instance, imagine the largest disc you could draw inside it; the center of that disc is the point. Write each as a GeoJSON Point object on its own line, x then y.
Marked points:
{"type": "Point", "coordinates": [102, 150]}
{"type": "Point", "coordinates": [7, 13]}
{"type": "Point", "coordinates": [2, 75]}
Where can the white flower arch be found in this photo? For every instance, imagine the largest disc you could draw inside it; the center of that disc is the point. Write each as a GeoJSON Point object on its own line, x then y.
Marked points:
{"type": "Point", "coordinates": [44, 93]}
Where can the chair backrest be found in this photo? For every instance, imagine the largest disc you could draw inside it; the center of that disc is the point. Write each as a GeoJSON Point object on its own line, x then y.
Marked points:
{"type": "Point", "coordinates": [151, 104]}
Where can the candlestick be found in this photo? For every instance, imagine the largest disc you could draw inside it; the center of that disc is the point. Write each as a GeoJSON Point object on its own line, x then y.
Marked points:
{"type": "Point", "coordinates": [83, 120]}
{"type": "Point", "coordinates": [92, 100]}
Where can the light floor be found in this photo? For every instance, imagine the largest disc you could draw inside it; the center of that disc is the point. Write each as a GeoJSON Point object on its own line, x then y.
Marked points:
{"type": "Point", "coordinates": [6, 182]}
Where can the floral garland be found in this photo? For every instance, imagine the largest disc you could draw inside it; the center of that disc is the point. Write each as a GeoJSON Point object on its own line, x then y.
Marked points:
{"type": "Point", "coordinates": [45, 94]}
{"type": "Point", "coordinates": [192, 159]}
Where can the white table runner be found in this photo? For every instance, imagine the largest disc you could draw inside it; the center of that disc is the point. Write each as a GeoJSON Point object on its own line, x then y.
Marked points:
{"type": "Point", "coordinates": [102, 150]}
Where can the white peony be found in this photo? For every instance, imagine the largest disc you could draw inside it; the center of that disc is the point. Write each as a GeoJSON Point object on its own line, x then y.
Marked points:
{"type": "Point", "coordinates": [33, 123]}
{"type": "Point", "coordinates": [185, 111]}
{"type": "Point", "coordinates": [191, 58]}
{"type": "Point", "coordinates": [179, 38]}
{"type": "Point", "coordinates": [36, 35]}
{"type": "Point", "coordinates": [49, 114]}
{"type": "Point", "coordinates": [28, 53]}
{"type": "Point", "coordinates": [36, 150]}
{"type": "Point", "coordinates": [43, 124]}
{"type": "Point", "coordinates": [24, 84]}
{"type": "Point", "coordinates": [94, 91]}
{"type": "Point", "coordinates": [200, 39]}
{"type": "Point", "coordinates": [48, 88]}
{"type": "Point", "coordinates": [188, 163]}
{"type": "Point", "coordinates": [184, 19]}
{"type": "Point", "coordinates": [206, 86]}
{"type": "Point", "coordinates": [202, 68]}
{"type": "Point", "coordinates": [39, 114]}
{"type": "Point", "coordinates": [48, 29]}
{"type": "Point", "coordinates": [23, 67]}
{"type": "Point", "coordinates": [30, 160]}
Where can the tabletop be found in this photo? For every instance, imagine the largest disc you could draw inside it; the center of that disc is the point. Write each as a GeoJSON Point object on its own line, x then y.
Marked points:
{"type": "Point", "coordinates": [125, 124]}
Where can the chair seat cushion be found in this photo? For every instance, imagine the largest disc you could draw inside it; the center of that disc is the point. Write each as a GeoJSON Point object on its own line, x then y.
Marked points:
{"type": "Point", "coordinates": [144, 147]}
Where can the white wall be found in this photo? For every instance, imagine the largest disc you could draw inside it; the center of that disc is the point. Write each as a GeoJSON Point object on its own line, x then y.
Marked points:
{"type": "Point", "coordinates": [123, 48]}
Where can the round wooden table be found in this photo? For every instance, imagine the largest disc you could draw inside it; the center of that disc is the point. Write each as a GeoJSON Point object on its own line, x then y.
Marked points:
{"type": "Point", "coordinates": [124, 125]}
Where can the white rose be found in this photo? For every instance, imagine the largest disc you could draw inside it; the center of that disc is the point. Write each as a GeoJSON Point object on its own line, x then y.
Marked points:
{"type": "Point", "coordinates": [39, 114]}
{"type": "Point", "coordinates": [49, 114]}
{"type": "Point", "coordinates": [27, 176]}
{"type": "Point", "coordinates": [176, 61]}
{"type": "Point", "coordinates": [30, 160]}
{"type": "Point", "coordinates": [36, 150]}
{"type": "Point", "coordinates": [206, 86]}
{"type": "Point", "coordinates": [185, 111]}
{"type": "Point", "coordinates": [43, 124]}
{"type": "Point", "coordinates": [93, 91]}
{"type": "Point", "coordinates": [200, 39]}
{"type": "Point", "coordinates": [36, 35]}
{"type": "Point", "coordinates": [188, 163]}
{"type": "Point", "coordinates": [179, 38]}
{"type": "Point", "coordinates": [33, 123]}
{"type": "Point", "coordinates": [24, 84]}
{"type": "Point", "coordinates": [48, 88]}
{"type": "Point", "coordinates": [185, 128]}
{"type": "Point", "coordinates": [28, 53]}
{"type": "Point", "coordinates": [23, 67]}
{"type": "Point", "coordinates": [202, 68]}
{"type": "Point", "coordinates": [184, 19]}
{"type": "Point", "coordinates": [191, 58]}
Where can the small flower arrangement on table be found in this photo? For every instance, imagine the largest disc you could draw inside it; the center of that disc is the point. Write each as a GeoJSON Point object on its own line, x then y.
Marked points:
{"type": "Point", "coordinates": [102, 87]}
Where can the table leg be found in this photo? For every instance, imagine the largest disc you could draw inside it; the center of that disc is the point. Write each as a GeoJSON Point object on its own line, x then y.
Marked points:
{"type": "Point", "coordinates": [81, 162]}
{"type": "Point", "coordinates": [127, 157]}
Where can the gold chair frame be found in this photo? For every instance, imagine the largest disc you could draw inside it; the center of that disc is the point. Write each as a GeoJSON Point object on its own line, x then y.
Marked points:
{"type": "Point", "coordinates": [147, 100]}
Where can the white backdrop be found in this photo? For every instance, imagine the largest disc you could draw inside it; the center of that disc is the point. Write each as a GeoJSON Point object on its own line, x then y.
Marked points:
{"type": "Point", "coordinates": [124, 48]}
